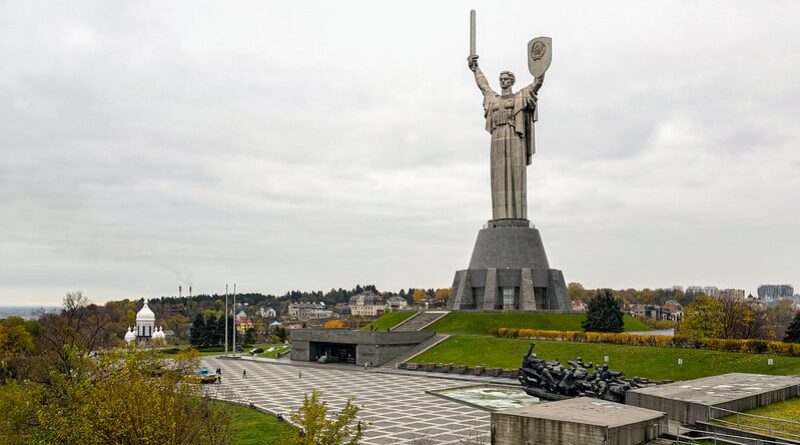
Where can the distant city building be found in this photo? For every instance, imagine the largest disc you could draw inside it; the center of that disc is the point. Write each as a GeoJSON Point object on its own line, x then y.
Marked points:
{"type": "Point", "coordinates": [243, 324]}
{"type": "Point", "coordinates": [309, 311]}
{"type": "Point", "coordinates": [171, 310]}
{"type": "Point", "coordinates": [671, 310]}
{"type": "Point", "coordinates": [396, 302]}
{"type": "Point", "coordinates": [267, 312]}
{"type": "Point", "coordinates": [646, 311]}
{"type": "Point", "coordinates": [731, 294]}
{"type": "Point", "coordinates": [711, 291]}
{"type": "Point", "coordinates": [775, 292]}
{"type": "Point", "coordinates": [578, 306]}
{"type": "Point", "coordinates": [367, 304]}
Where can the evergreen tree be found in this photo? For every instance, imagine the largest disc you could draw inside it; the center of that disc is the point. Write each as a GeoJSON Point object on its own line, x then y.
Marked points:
{"type": "Point", "coordinates": [197, 337]}
{"type": "Point", "coordinates": [604, 314]}
{"type": "Point", "coordinates": [793, 331]}
{"type": "Point", "coordinates": [214, 335]}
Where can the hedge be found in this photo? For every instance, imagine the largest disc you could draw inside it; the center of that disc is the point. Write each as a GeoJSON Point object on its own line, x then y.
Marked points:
{"type": "Point", "coordinates": [753, 346]}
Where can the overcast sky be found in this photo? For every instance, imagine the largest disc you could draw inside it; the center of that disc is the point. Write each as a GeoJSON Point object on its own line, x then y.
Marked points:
{"type": "Point", "coordinates": [311, 145]}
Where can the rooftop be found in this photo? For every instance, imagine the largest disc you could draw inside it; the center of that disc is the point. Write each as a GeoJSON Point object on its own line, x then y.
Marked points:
{"type": "Point", "coordinates": [720, 388]}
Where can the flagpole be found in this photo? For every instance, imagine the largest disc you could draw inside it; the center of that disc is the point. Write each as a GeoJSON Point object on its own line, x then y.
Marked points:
{"type": "Point", "coordinates": [234, 319]}
{"type": "Point", "coordinates": [225, 314]}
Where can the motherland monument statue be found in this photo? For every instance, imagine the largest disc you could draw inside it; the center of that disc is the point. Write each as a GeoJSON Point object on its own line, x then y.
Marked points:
{"type": "Point", "coordinates": [509, 268]}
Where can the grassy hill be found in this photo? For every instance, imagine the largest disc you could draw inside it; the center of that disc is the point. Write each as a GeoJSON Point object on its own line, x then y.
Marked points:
{"type": "Point", "coordinates": [482, 323]}
{"type": "Point", "coordinates": [388, 320]}
{"type": "Point", "coordinates": [644, 361]}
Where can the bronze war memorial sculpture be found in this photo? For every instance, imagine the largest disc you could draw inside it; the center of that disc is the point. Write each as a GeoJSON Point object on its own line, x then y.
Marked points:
{"type": "Point", "coordinates": [551, 380]}
{"type": "Point", "coordinates": [509, 269]}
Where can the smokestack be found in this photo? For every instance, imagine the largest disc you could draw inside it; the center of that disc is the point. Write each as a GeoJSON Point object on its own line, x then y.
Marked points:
{"type": "Point", "coordinates": [180, 291]}
{"type": "Point", "coordinates": [190, 291]}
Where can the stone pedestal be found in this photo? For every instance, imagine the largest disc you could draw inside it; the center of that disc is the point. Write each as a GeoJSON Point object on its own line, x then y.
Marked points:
{"type": "Point", "coordinates": [509, 271]}
{"type": "Point", "coordinates": [581, 421]}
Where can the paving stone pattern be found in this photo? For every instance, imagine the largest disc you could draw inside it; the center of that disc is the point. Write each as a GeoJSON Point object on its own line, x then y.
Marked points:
{"type": "Point", "coordinates": [396, 406]}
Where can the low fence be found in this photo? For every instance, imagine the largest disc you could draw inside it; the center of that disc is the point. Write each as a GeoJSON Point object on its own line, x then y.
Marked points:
{"type": "Point", "coordinates": [789, 429]}
{"type": "Point", "coordinates": [690, 436]}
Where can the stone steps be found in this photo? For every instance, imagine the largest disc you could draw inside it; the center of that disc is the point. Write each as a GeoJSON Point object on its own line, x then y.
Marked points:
{"type": "Point", "coordinates": [419, 349]}
{"type": "Point", "coordinates": [419, 321]}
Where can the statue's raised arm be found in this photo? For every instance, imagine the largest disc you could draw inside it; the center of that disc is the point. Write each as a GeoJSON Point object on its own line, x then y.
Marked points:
{"type": "Point", "coordinates": [480, 79]}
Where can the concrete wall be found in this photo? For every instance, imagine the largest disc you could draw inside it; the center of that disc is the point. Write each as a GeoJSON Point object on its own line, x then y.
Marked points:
{"type": "Point", "coordinates": [519, 430]}
{"type": "Point", "coordinates": [691, 412]}
{"type": "Point", "coordinates": [377, 347]}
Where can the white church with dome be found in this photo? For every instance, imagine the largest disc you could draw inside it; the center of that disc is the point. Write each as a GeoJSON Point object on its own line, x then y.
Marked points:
{"type": "Point", "coordinates": [145, 327]}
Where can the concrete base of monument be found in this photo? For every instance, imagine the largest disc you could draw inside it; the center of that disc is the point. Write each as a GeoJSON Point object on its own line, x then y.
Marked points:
{"type": "Point", "coordinates": [582, 421]}
{"type": "Point", "coordinates": [509, 271]}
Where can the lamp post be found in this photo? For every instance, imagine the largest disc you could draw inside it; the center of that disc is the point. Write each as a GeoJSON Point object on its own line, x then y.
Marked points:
{"type": "Point", "coordinates": [234, 319]}
{"type": "Point", "coordinates": [225, 314]}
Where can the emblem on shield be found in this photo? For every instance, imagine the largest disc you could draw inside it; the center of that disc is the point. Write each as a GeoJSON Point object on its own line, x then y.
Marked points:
{"type": "Point", "coordinates": [540, 54]}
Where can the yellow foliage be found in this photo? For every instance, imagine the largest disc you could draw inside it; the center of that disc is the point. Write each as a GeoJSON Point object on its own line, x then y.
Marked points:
{"type": "Point", "coordinates": [419, 295]}
{"type": "Point", "coordinates": [442, 294]}
{"type": "Point", "coordinates": [335, 324]}
{"type": "Point", "coordinates": [752, 346]}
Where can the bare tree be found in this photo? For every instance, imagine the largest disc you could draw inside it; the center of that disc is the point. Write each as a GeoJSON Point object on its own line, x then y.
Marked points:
{"type": "Point", "coordinates": [79, 329]}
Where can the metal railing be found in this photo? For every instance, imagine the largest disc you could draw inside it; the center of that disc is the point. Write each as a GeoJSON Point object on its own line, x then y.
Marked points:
{"type": "Point", "coordinates": [773, 425]}
{"type": "Point", "coordinates": [692, 437]}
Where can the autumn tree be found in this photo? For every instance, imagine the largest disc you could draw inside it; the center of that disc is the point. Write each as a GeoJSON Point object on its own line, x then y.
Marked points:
{"type": "Point", "coordinates": [575, 291]}
{"type": "Point", "coordinates": [704, 318]}
{"type": "Point", "coordinates": [419, 295]}
{"type": "Point", "coordinates": [111, 399]}
{"type": "Point", "coordinates": [79, 329]}
{"type": "Point", "coordinates": [603, 314]}
{"type": "Point", "coordinates": [779, 317]}
{"type": "Point", "coordinates": [318, 428]}
{"type": "Point", "coordinates": [15, 337]}
{"type": "Point", "coordinates": [442, 294]}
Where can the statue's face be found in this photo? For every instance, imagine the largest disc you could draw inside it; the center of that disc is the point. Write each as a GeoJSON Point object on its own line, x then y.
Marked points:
{"type": "Point", "coordinates": [506, 81]}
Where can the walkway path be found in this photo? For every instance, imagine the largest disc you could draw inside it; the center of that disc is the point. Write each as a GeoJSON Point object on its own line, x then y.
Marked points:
{"type": "Point", "coordinates": [396, 406]}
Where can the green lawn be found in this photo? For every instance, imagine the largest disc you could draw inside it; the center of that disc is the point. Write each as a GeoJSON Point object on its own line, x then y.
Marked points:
{"type": "Point", "coordinates": [786, 410]}
{"type": "Point", "coordinates": [213, 351]}
{"type": "Point", "coordinates": [644, 361]}
{"type": "Point", "coordinates": [273, 354]}
{"type": "Point", "coordinates": [252, 427]}
{"type": "Point", "coordinates": [388, 320]}
{"type": "Point", "coordinates": [482, 323]}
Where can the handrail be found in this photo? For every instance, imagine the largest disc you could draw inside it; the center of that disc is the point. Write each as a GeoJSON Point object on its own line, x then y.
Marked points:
{"type": "Point", "coordinates": [717, 436]}
{"type": "Point", "coordinates": [770, 421]}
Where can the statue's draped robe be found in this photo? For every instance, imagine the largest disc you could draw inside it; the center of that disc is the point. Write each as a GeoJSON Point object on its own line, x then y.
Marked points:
{"type": "Point", "coordinates": [510, 120]}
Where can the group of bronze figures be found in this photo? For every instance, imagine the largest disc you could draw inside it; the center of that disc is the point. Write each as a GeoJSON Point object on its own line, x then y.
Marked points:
{"type": "Point", "coordinates": [552, 380]}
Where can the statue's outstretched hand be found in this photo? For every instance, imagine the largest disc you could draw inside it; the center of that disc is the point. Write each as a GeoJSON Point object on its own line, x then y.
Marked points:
{"type": "Point", "coordinates": [472, 62]}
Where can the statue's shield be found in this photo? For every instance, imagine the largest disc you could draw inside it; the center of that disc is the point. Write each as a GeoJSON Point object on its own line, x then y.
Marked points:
{"type": "Point", "coordinates": [540, 54]}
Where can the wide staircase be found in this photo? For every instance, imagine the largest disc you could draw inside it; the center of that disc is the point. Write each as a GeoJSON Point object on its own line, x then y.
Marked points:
{"type": "Point", "coordinates": [419, 349]}
{"type": "Point", "coordinates": [419, 321]}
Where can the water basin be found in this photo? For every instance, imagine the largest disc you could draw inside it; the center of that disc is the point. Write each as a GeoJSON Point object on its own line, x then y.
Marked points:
{"type": "Point", "coordinates": [488, 397]}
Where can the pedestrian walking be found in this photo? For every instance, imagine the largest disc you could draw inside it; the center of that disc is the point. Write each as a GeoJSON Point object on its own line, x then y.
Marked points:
{"type": "Point", "coordinates": [299, 373]}
{"type": "Point", "coordinates": [244, 373]}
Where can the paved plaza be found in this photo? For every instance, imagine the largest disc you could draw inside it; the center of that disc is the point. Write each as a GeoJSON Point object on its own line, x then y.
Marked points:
{"type": "Point", "coordinates": [396, 406]}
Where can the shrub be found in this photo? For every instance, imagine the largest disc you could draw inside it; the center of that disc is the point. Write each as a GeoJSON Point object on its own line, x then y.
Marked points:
{"type": "Point", "coordinates": [753, 346]}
